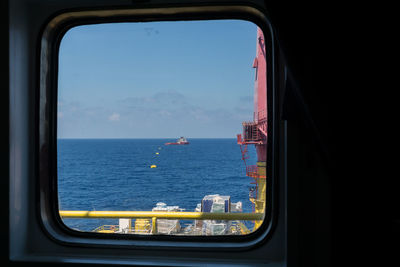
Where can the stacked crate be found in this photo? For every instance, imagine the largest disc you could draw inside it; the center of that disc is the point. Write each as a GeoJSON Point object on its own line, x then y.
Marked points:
{"type": "Point", "coordinates": [165, 226]}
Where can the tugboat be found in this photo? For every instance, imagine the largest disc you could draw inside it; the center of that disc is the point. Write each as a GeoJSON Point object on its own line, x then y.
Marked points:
{"type": "Point", "coordinates": [181, 141]}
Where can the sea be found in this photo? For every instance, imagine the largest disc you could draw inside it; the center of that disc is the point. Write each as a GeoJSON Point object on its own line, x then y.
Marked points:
{"type": "Point", "coordinates": [116, 175]}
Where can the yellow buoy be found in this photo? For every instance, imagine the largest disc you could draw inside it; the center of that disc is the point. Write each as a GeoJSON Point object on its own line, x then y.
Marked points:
{"type": "Point", "coordinates": [153, 166]}
{"type": "Point", "coordinates": [157, 153]}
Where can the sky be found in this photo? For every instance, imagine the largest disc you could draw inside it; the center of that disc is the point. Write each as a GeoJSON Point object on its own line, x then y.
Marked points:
{"type": "Point", "coordinates": [156, 79]}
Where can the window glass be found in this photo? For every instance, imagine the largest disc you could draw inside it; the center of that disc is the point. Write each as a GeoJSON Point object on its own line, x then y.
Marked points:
{"type": "Point", "coordinates": [148, 117]}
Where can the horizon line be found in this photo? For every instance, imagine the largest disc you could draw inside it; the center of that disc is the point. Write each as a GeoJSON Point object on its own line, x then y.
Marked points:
{"type": "Point", "coordinates": [144, 137]}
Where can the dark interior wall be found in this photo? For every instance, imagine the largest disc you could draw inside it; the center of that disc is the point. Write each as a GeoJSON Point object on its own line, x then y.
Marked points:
{"type": "Point", "coordinates": [4, 122]}
{"type": "Point", "coordinates": [306, 33]}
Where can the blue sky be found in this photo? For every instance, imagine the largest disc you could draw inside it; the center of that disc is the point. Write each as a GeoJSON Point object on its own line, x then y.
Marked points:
{"type": "Point", "coordinates": [156, 79]}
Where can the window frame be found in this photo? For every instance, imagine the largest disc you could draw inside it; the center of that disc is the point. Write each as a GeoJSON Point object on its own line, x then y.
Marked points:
{"type": "Point", "coordinates": [49, 43]}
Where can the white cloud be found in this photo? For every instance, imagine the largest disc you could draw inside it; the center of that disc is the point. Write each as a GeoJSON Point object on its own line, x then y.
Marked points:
{"type": "Point", "coordinates": [114, 117]}
{"type": "Point", "coordinates": [165, 113]}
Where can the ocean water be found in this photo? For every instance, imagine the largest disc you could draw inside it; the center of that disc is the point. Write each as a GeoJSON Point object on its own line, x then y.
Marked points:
{"type": "Point", "coordinates": [115, 174]}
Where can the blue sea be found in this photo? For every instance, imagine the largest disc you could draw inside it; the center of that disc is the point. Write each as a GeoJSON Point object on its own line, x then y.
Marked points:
{"type": "Point", "coordinates": [115, 174]}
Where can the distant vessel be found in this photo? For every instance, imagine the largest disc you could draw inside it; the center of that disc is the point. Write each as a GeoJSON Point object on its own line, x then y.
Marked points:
{"type": "Point", "coordinates": [181, 141]}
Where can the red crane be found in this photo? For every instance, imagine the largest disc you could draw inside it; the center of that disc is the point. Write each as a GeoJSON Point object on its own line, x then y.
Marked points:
{"type": "Point", "coordinates": [255, 132]}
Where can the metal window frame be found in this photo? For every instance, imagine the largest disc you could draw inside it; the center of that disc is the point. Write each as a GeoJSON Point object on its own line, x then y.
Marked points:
{"type": "Point", "coordinates": [49, 42]}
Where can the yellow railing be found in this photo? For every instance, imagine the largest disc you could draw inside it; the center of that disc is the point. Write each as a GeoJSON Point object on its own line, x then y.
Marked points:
{"type": "Point", "coordinates": [154, 215]}
{"type": "Point", "coordinates": [161, 215]}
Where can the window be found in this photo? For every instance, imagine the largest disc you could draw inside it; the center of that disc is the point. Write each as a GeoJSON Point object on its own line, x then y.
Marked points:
{"type": "Point", "coordinates": [37, 232]}
{"type": "Point", "coordinates": [147, 117]}
{"type": "Point", "coordinates": [34, 229]}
